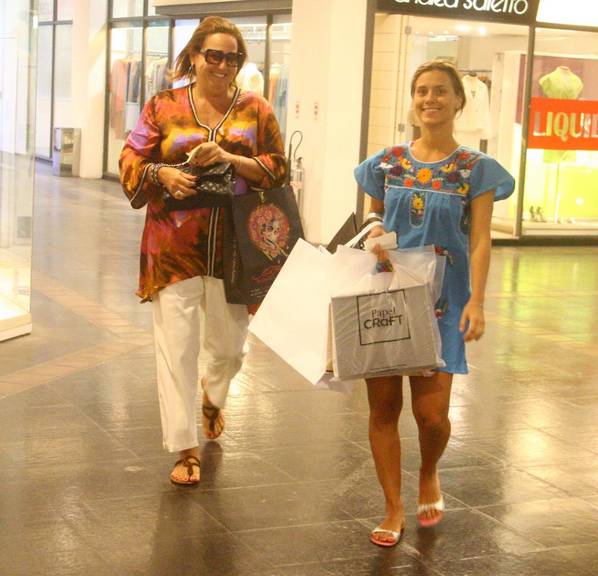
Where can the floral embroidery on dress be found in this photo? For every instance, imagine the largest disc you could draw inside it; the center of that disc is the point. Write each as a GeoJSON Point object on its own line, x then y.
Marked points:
{"type": "Point", "coordinates": [417, 208]}
{"type": "Point", "coordinates": [424, 175]}
{"type": "Point", "coordinates": [453, 176]}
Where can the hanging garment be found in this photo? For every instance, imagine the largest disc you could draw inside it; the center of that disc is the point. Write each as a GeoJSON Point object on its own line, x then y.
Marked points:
{"type": "Point", "coordinates": [473, 124]}
{"type": "Point", "coordinates": [251, 79]}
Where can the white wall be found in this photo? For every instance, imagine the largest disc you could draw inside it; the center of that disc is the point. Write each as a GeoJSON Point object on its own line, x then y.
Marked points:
{"type": "Point", "coordinates": [326, 70]}
{"type": "Point", "coordinates": [88, 82]}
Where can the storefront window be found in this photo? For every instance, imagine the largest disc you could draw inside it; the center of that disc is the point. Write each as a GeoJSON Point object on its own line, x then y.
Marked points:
{"type": "Point", "coordinates": [252, 76]}
{"type": "Point", "coordinates": [280, 60]}
{"type": "Point", "coordinates": [183, 30]}
{"type": "Point", "coordinates": [65, 10]}
{"type": "Point", "coordinates": [45, 10]}
{"type": "Point", "coordinates": [17, 116]}
{"type": "Point", "coordinates": [562, 157]}
{"type": "Point", "coordinates": [125, 88]}
{"type": "Point", "coordinates": [127, 8]}
{"type": "Point", "coordinates": [127, 93]}
{"type": "Point", "coordinates": [156, 58]}
{"type": "Point", "coordinates": [490, 58]}
{"type": "Point", "coordinates": [63, 106]}
{"type": "Point", "coordinates": [43, 131]}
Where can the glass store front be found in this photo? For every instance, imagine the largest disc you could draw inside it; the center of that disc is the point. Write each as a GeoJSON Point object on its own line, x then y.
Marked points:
{"type": "Point", "coordinates": [143, 45]}
{"type": "Point", "coordinates": [17, 148]}
{"type": "Point", "coordinates": [537, 116]}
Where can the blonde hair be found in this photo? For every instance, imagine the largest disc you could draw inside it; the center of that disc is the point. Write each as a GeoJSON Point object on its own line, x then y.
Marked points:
{"type": "Point", "coordinates": [207, 27]}
{"type": "Point", "coordinates": [447, 68]}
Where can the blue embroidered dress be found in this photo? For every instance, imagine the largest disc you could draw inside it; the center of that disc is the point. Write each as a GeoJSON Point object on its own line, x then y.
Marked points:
{"type": "Point", "coordinates": [430, 203]}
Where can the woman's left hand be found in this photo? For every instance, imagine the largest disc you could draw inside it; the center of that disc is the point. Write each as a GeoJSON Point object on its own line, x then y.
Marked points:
{"type": "Point", "coordinates": [210, 153]}
{"type": "Point", "coordinates": [473, 321]}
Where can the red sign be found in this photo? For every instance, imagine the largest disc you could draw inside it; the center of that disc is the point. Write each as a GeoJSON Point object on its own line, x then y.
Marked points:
{"type": "Point", "coordinates": [563, 124]}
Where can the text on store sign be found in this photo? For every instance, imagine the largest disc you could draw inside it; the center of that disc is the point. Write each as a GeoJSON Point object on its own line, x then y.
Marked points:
{"type": "Point", "coordinates": [519, 7]}
{"type": "Point", "coordinates": [563, 124]}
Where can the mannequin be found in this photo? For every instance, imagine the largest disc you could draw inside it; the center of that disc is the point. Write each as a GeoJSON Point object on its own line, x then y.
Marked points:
{"type": "Point", "coordinates": [563, 84]}
{"type": "Point", "coordinates": [473, 124]}
{"type": "Point", "coordinates": [251, 79]}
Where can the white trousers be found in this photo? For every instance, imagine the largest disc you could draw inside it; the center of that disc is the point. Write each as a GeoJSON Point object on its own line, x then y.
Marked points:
{"type": "Point", "coordinates": [177, 310]}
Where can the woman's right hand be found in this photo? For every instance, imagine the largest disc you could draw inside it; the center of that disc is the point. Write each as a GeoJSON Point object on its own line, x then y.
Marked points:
{"type": "Point", "coordinates": [178, 183]}
{"type": "Point", "coordinates": [381, 254]}
{"type": "Point", "coordinates": [377, 231]}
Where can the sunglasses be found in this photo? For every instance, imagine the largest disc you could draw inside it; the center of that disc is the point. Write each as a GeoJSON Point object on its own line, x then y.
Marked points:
{"type": "Point", "coordinates": [233, 59]}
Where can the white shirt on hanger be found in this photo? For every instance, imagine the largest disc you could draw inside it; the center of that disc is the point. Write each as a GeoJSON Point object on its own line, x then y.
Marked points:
{"type": "Point", "coordinates": [475, 117]}
{"type": "Point", "coordinates": [251, 79]}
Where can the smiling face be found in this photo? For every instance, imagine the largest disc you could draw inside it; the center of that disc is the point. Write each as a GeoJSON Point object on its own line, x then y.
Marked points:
{"type": "Point", "coordinates": [215, 78]}
{"type": "Point", "coordinates": [435, 101]}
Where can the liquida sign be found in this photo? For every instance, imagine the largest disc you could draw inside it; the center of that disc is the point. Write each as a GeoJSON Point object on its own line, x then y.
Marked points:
{"type": "Point", "coordinates": [563, 124]}
{"type": "Point", "coordinates": [510, 11]}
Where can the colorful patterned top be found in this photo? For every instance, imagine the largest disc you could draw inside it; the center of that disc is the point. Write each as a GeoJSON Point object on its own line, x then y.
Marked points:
{"type": "Point", "coordinates": [430, 203]}
{"type": "Point", "coordinates": [182, 244]}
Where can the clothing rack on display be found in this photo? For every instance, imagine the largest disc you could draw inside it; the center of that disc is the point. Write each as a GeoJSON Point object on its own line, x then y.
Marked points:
{"type": "Point", "coordinates": [125, 84]}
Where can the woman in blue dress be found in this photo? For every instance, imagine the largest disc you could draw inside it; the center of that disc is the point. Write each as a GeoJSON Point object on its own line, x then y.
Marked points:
{"type": "Point", "coordinates": [431, 191]}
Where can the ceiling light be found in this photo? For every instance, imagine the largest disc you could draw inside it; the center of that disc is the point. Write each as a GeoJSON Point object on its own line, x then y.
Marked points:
{"type": "Point", "coordinates": [482, 30]}
{"type": "Point", "coordinates": [462, 27]}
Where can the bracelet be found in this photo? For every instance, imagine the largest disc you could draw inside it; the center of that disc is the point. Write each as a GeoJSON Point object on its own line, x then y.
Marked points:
{"type": "Point", "coordinates": [374, 216]}
{"type": "Point", "coordinates": [154, 174]}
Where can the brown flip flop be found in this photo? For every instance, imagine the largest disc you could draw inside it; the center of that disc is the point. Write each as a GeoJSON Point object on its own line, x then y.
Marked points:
{"type": "Point", "coordinates": [189, 462]}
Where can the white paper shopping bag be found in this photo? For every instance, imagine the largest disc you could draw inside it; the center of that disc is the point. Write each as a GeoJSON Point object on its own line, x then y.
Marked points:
{"type": "Point", "coordinates": [293, 318]}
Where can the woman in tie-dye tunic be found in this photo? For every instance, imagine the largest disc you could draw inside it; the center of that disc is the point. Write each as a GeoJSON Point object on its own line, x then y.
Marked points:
{"type": "Point", "coordinates": [182, 250]}
{"type": "Point", "coordinates": [182, 244]}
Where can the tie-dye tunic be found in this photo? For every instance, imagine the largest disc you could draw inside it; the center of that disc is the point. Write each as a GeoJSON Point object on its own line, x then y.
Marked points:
{"type": "Point", "coordinates": [183, 244]}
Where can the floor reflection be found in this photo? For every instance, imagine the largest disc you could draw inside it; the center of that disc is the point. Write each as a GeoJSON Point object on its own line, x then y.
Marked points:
{"type": "Point", "coordinates": [290, 488]}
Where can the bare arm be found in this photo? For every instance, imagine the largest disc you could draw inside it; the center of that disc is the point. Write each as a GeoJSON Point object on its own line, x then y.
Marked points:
{"type": "Point", "coordinates": [246, 167]}
{"type": "Point", "coordinates": [472, 320]}
{"type": "Point", "coordinates": [376, 206]}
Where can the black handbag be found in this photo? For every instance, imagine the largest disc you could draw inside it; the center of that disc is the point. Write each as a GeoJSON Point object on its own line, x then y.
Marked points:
{"type": "Point", "coordinates": [214, 186]}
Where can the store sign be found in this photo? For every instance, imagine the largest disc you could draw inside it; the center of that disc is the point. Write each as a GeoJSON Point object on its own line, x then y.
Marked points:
{"type": "Point", "coordinates": [563, 124]}
{"type": "Point", "coordinates": [508, 11]}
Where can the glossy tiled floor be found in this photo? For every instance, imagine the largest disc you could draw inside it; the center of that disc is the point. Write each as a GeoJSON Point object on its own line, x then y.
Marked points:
{"type": "Point", "coordinates": [290, 489]}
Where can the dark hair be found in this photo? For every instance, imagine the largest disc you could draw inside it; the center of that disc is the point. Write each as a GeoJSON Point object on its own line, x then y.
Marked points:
{"type": "Point", "coordinates": [447, 68]}
{"type": "Point", "coordinates": [207, 27]}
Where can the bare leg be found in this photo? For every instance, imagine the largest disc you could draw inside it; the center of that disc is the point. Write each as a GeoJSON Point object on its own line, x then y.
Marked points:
{"type": "Point", "coordinates": [430, 398]}
{"type": "Point", "coordinates": [385, 397]}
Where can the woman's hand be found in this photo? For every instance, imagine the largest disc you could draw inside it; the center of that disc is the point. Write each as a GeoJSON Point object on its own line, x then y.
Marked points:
{"type": "Point", "coordinates": [383, 264]}
{"type": "Point", "coordinates": [179, 184]}
{"type": "Point", "coordinates": [377, 231]}
{"type": "Point", "coordinates": [472, 319]}
{"type": "Point", "coordinates": [210, 153]}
